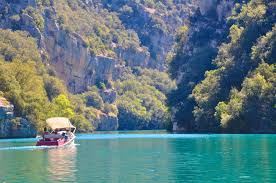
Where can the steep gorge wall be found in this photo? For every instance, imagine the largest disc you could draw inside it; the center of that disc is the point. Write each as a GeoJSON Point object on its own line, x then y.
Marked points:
{"type": "Point", "coordinates": [194, 55]}
{"type": "Point", "coordinates": [11, 127]}
{"type": "Point", "coordinates": [69, 55]}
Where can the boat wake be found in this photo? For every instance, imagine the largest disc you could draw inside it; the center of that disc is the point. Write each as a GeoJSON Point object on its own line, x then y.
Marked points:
{"type": "Point", "coordinates": [32, 148]}
{"type": "Point", "coordinates": [23, 148]}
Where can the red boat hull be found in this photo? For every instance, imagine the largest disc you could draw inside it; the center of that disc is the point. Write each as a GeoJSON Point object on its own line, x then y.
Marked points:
{"type": "Point", "coordinates": [55, 142]}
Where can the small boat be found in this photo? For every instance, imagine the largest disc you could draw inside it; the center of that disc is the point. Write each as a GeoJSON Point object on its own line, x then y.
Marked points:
{"type": "Point", "coordinates": [62, 133]}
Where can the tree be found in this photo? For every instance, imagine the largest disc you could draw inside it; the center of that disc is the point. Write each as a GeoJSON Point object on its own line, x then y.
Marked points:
{"type": "Point", "coordinates": [61, 106]}
{"type": "Point", "coordinates": [234, 62]}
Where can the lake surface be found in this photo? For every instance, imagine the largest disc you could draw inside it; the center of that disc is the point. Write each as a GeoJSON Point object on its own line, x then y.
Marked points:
{"type": "Point", "coordinates": [142, 157]}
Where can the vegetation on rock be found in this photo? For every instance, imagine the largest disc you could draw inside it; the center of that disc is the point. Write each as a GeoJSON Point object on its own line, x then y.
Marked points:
{"type": "Point", "coordinates": [239, 94]}
{"type": "Point", "coordinates": [111, 53]}
{"type": "Point", "coordinates": [142, 101]}
{"type": "Point", "coordinates": [25, 82]}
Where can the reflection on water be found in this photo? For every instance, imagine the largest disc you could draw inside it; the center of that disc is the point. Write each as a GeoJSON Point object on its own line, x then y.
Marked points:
{"type": "Point", "coordinates": [21, 162]}
{"type": "Point", "coordinates": [62, 164]}
{"type": "Point", "coordinates": [144, 158]}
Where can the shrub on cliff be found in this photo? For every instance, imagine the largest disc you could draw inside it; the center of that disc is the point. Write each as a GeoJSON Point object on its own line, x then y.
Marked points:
{"type": "Point", "coordinates": [141, 103]}
{"type": "Point", "coordinates": [25, 82]}
{"type": "Point", "coordinates": [238, 95]}
{"type": "Point", "coordinates": [235, 63]}
{"type": "Point", "coordinates": [101, 30]}
{"type": "Point", "coordinates": [21, 76]}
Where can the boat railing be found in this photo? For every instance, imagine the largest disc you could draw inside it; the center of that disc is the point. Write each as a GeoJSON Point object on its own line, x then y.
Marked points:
{"type": "Point", "coordinates": [52, 136]}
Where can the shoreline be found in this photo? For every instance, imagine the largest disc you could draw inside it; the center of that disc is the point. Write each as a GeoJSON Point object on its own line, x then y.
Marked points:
{"type": "Point", "coordinates": [146, 132]}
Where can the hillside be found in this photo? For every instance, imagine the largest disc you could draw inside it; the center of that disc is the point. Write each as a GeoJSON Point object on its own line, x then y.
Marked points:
{"type": "Point", "coordinates": [233, 87]}
{"type": "Point", "coordinates": [191, 65]}
{"type": "Point", "coordinates": [91, 60]}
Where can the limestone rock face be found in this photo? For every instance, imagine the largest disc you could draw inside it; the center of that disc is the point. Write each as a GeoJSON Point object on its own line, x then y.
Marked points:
{"type": "Point", "coordinates": [71, 58]}
{"type": "Point", "coordinates": [134, 56]}
{"type": "Point", "coordinates": [109, 96]}
{"type": "Point", "coordinates": [106, 122]}
{"type": "Point", "coordinates": [6, 109]}
{"type": "Point", "coordinates": [223, 8]}
{"type": "Point", "coordinates": [73, 62]}
{"type": "Point", "coordinates": [207, 30]}
{"type": "Point", "coordinates": [154, 27]}
{"type": "Point", "coordinates": [29, 25]}
{"type": "Point", "coordinates": [11, 127]}
{"type": "Point", "coordinates": [16, 128]}
{"type": "Point", "coordinates": [69, 54]}
{"type": "Point", "coordinates": [206, 5]}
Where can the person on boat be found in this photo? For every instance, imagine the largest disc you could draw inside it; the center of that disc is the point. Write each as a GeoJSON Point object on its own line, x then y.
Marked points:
{"type": "Point", "coordinates": [45, 133]}
{"type": "Point", "coordinates": [62, 132]}
{"type": "Point", "coordinates": [66, 136]}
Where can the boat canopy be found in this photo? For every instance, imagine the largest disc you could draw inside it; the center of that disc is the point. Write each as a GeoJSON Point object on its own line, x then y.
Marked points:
{"type": "Point", "coordinates": [59, 123]}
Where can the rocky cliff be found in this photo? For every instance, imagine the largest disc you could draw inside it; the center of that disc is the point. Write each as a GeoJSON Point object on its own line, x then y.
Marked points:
{"type": "Point", "coordinates": [218, 69]}
{"type": "Point", "coordinates": [106, 122]}
{"type": "Point", "coordinates": [69, 53]}
{"type": "Point", "coordinates": [16, 128]}
{"type": "Point", "coordinates": [87, 42]}
{"type": "Point", "coordinates": [11, 127]}
{"type": "Point", "coordinates": [195, 50]}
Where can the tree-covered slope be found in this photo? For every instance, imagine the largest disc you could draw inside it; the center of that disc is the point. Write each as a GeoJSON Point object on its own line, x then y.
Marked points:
{"type": "Point", "coordinates": [87, 47]}
{"type": "Point", "coordinates": [106, 64]}
{"type": "Point", "coordinates": [239, 94]}
{"type": "Point", "coordinates": [24, 78]}
{"type": "Point", "coordinates": [142, 100]}
{"type": "Point", "coordinates": [196, 46]}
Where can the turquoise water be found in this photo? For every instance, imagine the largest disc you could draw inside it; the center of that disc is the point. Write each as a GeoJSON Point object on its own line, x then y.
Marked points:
{"type": "Point", "coordinates": [142, 157]}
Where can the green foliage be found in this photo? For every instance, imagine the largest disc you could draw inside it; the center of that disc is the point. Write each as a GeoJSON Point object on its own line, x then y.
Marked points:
{"type": "Point", "coordinates": [149, 3]}
{"type": "Point", "coordinates": [54, 87]}
{"type": "Point", "coordinates": [253, 11]}
{"type": "Point", "coordinates": [236, 96]}
{"type": "Point", "coordinates": [102, 86]}
{"type": "Point", "coordinates": [181, 34]}
{"type": "Point", "coordinates": [61, 106]}
{"type": "Point", "coordinates": [251, 108]}
{"type": "Point", "coordinates": [89, 105]}
{"type": "Point", "coordinates": [234, 63]}
{"type": "Point", "coordinates": [235, 33]}
{"type": "Point", "coordinates": [229, 88]}
{"type": "Point", "coordinates": [148, 18]}
{"type": "Point", "coordinates": [101, 30]}
{"type": "Point", "coordinates": [155, 78]}
{"type": "Point", "coordinates": [141, 103]}
{"type": "Point", "coordinates": [193, 56]}
{"type": "Point", "coordinates": [84, 116]}
{"type": "Point", "coordinates": [235, 60]}
{"type": "Point", "coordinates": [126, 9]}
{"type": "Point", "coordinates": [111, 109]}
{"type": "Point", "coordinates": [43, 2]}
{"type": "Point", "coordinates": [36, 15]}
{"type": "Point", "coordinates": [15, 21]}
{"type": "Point", "coordinates": [24, 88]}
{"type": "Point", "coordinates": [24, 81]}
{"type": "Point", "coordinates": [81, 123]}
{"type": "Point", "coordinates": [18, 46]}
{"type": "Point", "coordinates": [21, 78]}
{"type": "Point", "coordinates": [265, 49]}
{"type": "Point", "coordinates": [92, 98]}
